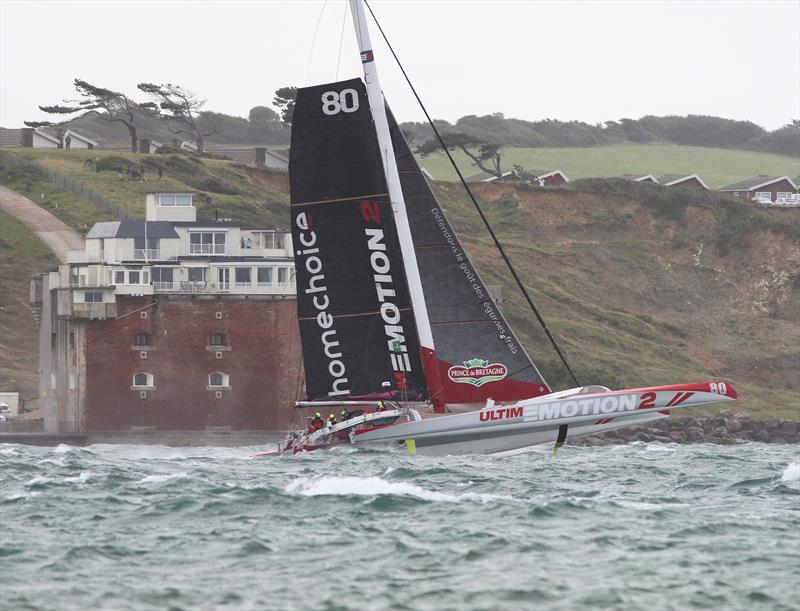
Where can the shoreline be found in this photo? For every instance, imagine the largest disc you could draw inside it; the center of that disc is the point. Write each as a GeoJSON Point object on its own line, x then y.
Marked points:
{"type": "Point", "coordinates": [724, 428]}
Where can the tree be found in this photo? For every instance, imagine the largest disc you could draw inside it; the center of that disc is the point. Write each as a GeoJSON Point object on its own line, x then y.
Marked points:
{"type": "Point", "coordinates": [116, 107]}
{"type": "Point", "coordinates": [179, 108]}
{"type": "Point", "coordinates": [262, 115]}
{"type": "Point", "coordinates": [284, 101]}
{"type": "Point", "coordinates": [485, 155]}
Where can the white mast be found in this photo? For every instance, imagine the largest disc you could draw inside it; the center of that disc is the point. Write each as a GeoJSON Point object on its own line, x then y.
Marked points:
{"type": "Point", "coordinates": [378, 107]}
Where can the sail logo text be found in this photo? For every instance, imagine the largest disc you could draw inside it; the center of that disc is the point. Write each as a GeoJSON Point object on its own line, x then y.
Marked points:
{"type": "Point", "coordinates": [307, 257]}
{"type": "Point", "coordinates": [477, 372]}
{"type": "Point", "coordinates": [384, 287]}
{"type": "Point", "coordinates": [609, 404]}
{"type": "Point", "coordinates": [501, 414]}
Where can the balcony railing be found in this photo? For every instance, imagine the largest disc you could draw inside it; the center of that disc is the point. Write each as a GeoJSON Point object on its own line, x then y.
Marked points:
{"type": "Point", "coordinates": [206, 249]}
{"type": "Point", "coordinates": [190, 288]}
{"type": "Point", "coordinates": [146, 254]}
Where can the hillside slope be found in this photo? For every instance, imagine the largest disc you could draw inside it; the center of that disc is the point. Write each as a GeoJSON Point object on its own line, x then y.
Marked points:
{"type": "Point", "coordinates": [716, 166]}
{"type": "Point", "coordinates": [645, 287]}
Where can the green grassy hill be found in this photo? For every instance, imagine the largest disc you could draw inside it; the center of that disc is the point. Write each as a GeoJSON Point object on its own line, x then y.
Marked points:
{"type": "Point", "coordinates": [21, 254]}
{"type": "Point", "coordinates": [641, 284]}
{"type": "Point", "coordinates": [717, 167]}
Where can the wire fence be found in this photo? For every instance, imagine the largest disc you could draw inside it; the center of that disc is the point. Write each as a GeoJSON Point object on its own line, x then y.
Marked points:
{"type": "Point", "coordinates": [62, 182]}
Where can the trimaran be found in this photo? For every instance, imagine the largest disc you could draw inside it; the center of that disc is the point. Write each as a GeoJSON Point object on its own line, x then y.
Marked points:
{"type": "Point", "coordinates": [397, 327]}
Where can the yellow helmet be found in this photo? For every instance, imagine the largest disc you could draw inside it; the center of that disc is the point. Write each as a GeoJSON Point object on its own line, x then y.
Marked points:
{"type": "Point", "coordinates": [317, 414]}
{"type": "Point", "coordinates": [331, 416]}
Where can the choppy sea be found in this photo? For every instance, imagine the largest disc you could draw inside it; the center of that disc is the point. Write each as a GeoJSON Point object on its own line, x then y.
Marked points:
{"type": "Point", "coordinates": [641, 526]}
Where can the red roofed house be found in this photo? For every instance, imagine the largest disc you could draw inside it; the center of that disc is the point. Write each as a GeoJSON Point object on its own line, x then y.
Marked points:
{"type": "Point", "coordinates": [765, 189]}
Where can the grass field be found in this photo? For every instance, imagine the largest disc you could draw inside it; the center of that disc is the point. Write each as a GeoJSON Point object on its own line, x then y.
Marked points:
{"type": "Point", "coordinates": [717, 167]}
{"type": "Point", "coordinates": [219, 184]}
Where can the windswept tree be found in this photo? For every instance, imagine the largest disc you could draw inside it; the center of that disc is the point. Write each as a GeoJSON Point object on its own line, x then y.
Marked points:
{"type": "Point", "coordinates": [284, 101]}
{"type": "Point", "coordinates": [262, 115]}
{"type": "Point", "coordinates": [180, 109]}
{"type": "Point", "coordinates": [485, 155]}
{"type": "Point", "coordinates": [110, 105]}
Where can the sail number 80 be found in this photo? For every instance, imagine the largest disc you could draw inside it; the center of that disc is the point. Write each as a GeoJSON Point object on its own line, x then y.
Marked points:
{"type": "Point", "coordinates": [345, 100]}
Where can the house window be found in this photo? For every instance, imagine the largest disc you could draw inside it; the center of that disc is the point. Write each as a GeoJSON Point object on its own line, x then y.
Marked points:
{"type": "Point", "coordinates": [145, 249]}
{"type": "Point", "coordinates": [119, 277]}
{"type": "Point", "coordinates": [174, 199]}
{"type": "Point", "coordinates": [207, 243]}
{"type": "Point", "coordinates": [283, 275]}
{"type": "Point", "coordinates": [218, 380]}
{"type": "Point", "coordinates": [141, 339]}
{"type": "Point", "coordinates": [197, 274]}
{"type": "Point", "coordinates": [93, 296]}
{"type": "Point", "coordinates": [143, 380]}
{"type": "Point", "coordinates": [133, 277]}
{"type": "Point", "coordinates": [216, 339]}
{"type": "Point", "coordinates": [242, 276]}
{"type": "Point", "coordinates": [264, 276]}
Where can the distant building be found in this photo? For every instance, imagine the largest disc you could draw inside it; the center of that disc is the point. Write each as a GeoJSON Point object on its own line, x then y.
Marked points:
{"type": "Point", "coordinates": [487, 177]}
{"type": "Point", "coordinates": [253, 156]}
{"type": "Point", "coordinates": [550, 178]}
{"type": "Point", "coordinates": [640, 178]}
{"type": "Point", "coordinates": [44, 137]}
{"type": "Point", "coordinates": [690, 181]}
{"type": "Point", "coordinates": [148, 145]}
{"type": "Point", "coordinates": [31, 137]}
{"type": "Point", "coordinates": [170, 323]}
{"type": "Point", "coordinates": [765, 189]}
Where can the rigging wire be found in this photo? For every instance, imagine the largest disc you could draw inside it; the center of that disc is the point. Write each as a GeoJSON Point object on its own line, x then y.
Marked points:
{"type": "Point", "coordinates": [341, 40]}
{"type": "Point", "coordinates": [475, 202]}
{"type": "Point", "coordinates": [313, 43]}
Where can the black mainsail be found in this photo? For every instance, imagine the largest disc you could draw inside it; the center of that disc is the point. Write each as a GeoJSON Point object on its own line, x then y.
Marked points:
{"type": "Point", "coordinates": [356, 324]}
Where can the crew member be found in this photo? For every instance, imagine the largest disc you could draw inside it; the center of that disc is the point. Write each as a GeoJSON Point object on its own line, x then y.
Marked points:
{"type": "Point", "coordinates": [317, 423]}
{"type": "Point", "coordinates": [380, 406]}
{"type": "Point", "coordinates": [331, 420]}
{"type": "Point", "coordinates": [345, 415]}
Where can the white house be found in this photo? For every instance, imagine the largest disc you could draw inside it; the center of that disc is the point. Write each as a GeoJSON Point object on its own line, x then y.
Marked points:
{"type": "Point", "coordinates": [172, 252]}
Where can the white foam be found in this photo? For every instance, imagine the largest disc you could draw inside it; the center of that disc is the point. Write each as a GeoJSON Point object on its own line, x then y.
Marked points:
{"type": "Point", "coordinates": [80, 479]}
{"type": "Point", "coordinates": [791, 473]}
{"type": "Point", "coordinates": [157, 479]}
{"type": "Point", "coordinates": [375, 486]}
{"type": "Point", "coordinates": [62, 448]}
{"type": "Point", "coordinates": [39, 479]}
{"type": "Point", "coordinates": [8, 452]}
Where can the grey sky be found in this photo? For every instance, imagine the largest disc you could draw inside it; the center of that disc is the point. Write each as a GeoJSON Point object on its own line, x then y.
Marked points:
{"type": "Point", "coordinates": [588, 61]}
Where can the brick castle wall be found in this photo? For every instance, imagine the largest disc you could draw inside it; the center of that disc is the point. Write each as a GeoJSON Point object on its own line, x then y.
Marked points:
{"type": "Point", "coordinates": [262, 359]}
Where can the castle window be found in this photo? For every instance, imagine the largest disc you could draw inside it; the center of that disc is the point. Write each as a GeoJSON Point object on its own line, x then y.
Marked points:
{"type": "Point", "coordinates": [216, 339]}
{"type": "Point", "coordinates": [143, 380]}
{"type": "Point", "coordinates": [141, 339]}
{"type": "Point", "coordinates": [218, 380]}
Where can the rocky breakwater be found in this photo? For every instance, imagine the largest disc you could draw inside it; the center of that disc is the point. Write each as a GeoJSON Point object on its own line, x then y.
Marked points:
{"type": "Point", "coordinates": [725, 428]}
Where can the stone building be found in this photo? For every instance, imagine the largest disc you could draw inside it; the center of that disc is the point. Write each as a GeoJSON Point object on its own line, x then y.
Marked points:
{"type": "Point", "coordinates": [170, 323]}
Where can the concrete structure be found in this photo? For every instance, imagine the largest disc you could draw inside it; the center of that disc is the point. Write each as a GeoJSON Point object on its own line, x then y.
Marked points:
{"type": "Point", "coordinates": [170, 323]}
{"type": "Point", "coordinates": [765, 189]}
{"type": "Point", "coordinates": [688, 181]}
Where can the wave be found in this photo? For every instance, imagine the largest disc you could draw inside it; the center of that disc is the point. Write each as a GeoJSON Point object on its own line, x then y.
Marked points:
{"type": "Point", "coordinates": [157, 479]}
{"type": "Point", "coordinates": [791, 473]}
{"type": "Point", "coordinates": [375, 486]}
